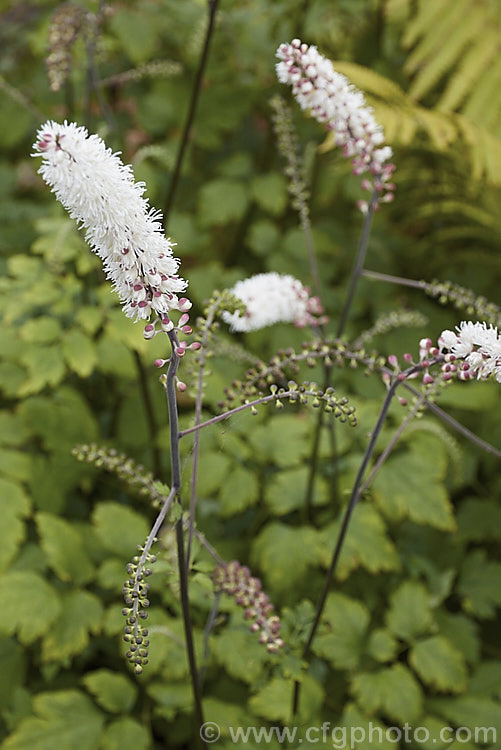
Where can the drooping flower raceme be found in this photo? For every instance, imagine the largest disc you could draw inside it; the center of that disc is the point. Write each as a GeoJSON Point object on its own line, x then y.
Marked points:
{"type": "Point", "coordinates": [273, 298]}
{"type": "Point", "coordinates": [333, 100]}
{"type": "Point", "coordinates": [478, 344]}
{"type": "Point", "coordinates": [98, 190]}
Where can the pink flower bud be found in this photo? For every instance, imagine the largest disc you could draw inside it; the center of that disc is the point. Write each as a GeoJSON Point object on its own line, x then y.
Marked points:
{"type": "Point", "coordinates": [183, 319]}
{"type": "Point", "coordinates": [160, 362]}
{"type": "Point", "coordinates": [195, 346]}
{"type": "Point", "coordinates": [187, 329]}
{"type": "Point", "coordinates": [181, 386]}
{"type": "Point", "coordinates": [427, 379]}
{"type": "Point", "coordinates": [184, 304]}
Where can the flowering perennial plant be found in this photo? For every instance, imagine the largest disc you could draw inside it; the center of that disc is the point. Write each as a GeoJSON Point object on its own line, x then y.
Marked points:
{"type": "Point", "coordinates": [478, 344]}
{"type": "Point", "coordinates": [272, 298]}
{"type": "Point", "coordinates": [333, 100]}
{"type": "Point", "coordinates": [98, 190]}
{"type": "Point", "coordinates": [235, 579]}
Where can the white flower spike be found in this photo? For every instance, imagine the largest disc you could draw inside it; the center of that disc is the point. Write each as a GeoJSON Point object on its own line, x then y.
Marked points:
{"type": "Point", "coordinates": [272, 298]}
{"type": "Point", "coordinates": [98, 190]}
{"type": "Point", "coordinates": [333, 100]}
{"type": "Point", "coordinates": [478, 344]}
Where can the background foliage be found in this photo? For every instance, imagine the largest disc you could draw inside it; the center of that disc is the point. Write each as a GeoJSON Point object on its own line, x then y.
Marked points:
{"type": "Point", "coordinates": [411, 628]}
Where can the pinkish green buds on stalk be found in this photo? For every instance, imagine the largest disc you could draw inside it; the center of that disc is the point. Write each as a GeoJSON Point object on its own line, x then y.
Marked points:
{"type": "Point", "coordinates": [333, 100]}
{"type": "Point", "coordinates": [235, 579]}
{"type": "Point", "coordinates": [99, 191]}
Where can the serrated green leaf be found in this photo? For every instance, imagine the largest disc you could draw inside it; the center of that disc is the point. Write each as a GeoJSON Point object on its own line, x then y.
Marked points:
{"type": "Point", "coordinates": [473, 712]}
{"type": "Point", "coordinates": [478, 585]}
{"type": "Point", "coordinates": [213, 467]}
{"type": "Point", "coordinates": [393, 690]}
{"type": "Point", "coordinates": [342, 637]}
{"type": "Point", "coordinates": [172, 698]}
{"type": "Point", "coordinates": [119, 528]}
{"type": "Point", "coordinates": [263, 237]}
{"type": "Point", "coordinates": [239, 490]}
{"type": "Point", "coordinates": [79, 352]}
{"type": "Point", "coordinates": [366, 545]}
{"type": "Point", "coordinates": [462, 632]}
{"type": "Point", "coordinates": [15, 464]}
{"type": "Point", "coordinates": [409, 485]}
{"type": "Point", "coordinates": [14, 505]}
{"type": "Point", "coordinates": [64, 549]}
{"type": "Point", "coordinates": [29, 605]}
{"type": "Point", "coordinates": [381, 645]}
{"type": "Point", "coordinates": [439, 664]}
{"type": "Point", "coordinates": [125, 734]}
{"type": "Point", "coordinates": [66, 719]}
{"type": "Point", "coordinates": [82, 613]}
{"type": "Point", "coordinates": [285, 554]}
{"type": "Point", "coordinates": [222, 201]}
{"type": "Point", "coordinates": [409, 614]}
{"type": "Point", "coordinates": [486, 679]}
{"type": "Point", "coordinates": [354, 723]}
{"type": "Point", "coordinates": [113, 692]}
{"type": "Point", "coordinates": [241, 654]}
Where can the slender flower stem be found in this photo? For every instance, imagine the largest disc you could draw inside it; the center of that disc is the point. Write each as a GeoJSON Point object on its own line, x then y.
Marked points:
{"type": "Point", "coordinates": [170, 388]}
{"type": "Point", "coordinates": [402, 281]}
{"type": "Point", "coordinates": [249, 405]}
{"type": "Point", "coordinates": [211, 621]}
{"type": "Point", "coordinates": [150, 415]}
{"type": "Point", "coordinates": [196, 442]}
{"type": "Point", "coordinates": [197, 85]}
{"type": "Point", "coordinates": [313, 462]}
{"type": "Point", "coordinates": [355, 496]}
{"type": "Point", "coordinates": [396, 437]}
{"type": "Point", "coordinates": [358, 265]}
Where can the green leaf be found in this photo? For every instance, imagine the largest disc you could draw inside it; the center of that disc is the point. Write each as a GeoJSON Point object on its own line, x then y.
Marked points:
{"type": "Point", "coordinates": [45, 366]}
{"type": "Point", "coordinates": [241, 654]}
{"type": "Point", "coordinates": [286, 490]}
{"type": "Point", "coordinates": [138, 33]}
{"type": "Point", "coordinates": [285, 554]}
{"type": "Point", "coordinates": [487, 679]}
{"type": "Point", "coordinates": [113, 692]}
{"type": "Point", "coordinates": [410, 485]}
{"type": "Point", "coordinates": [473, 712]}
{"type": "Point", "coordinates": [239, 490]}
{"type": "Point", "coordinates": [342, 637]}
{"type": "Point", "coordinates": [281, 440]}
{"type": "Point", "coordinates": [462, 632]}
{"type": "Point", "coordinates": [13, 661]}
{"type": "Point", "coordinates": [263, 237]}
{"type": "Point", "coordinates": [479, 520]}
{"type": "Point", "coordinates": [66, 719]}
{"type": "Point", "coordinates": [272, 702]}
{"type": "Point", "coordinates": [355, 724]}
{"type": "Point", "coordinates": [439, 664]}
{"type": "Point", "coordinates": [172, 698]}
{"type": "Point", "coordinates": [29, 605]}
{"type": "Point", "coordinates": [42, 330]}
{"type": "Point", "coordinates": [213, 468]}
{"type": "Point", "coordinates": [409, 614]}
{"type": "Point", "coordinates": [366, 544]}
{"type": "Point", "coordinates": [478, 585]}
{"type": "Point", "coordinates": [79, 352]}
{"type": "Point", "coordinates": [270, 192]}
{"type": "Point", "coordinates": [393, 690]}
{"type": "Point", "coordinates": [381, 645]}
{"type": "Point", "coordinates": [64, 549]}
{"type": "Point", "coordinates": [222, 201]}
{"type": "Point", "coordinates": [15, 464]}
{"type": "Point", "coordinates": [82, 613]}
{"type": "Point", "coordinates": [125, 734]}
{"type": "Point", "coordinates": [119, 528]}
{"type": "Point", "coordinates": [14, 505]}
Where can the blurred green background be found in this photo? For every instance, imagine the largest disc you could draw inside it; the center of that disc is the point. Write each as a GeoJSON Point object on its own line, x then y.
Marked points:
{"type": "Point", "coordinates": [412, 630]}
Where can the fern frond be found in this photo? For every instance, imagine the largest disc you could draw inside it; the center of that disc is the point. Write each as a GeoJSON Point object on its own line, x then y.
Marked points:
{"type": "Point", "coordinates": [445, 57]}
{"type": "Point", "coordinates": [425, 17]}
{"type": "Point", "coordinates": [436, 34]}
{"type": "Point", "coordinates": [473, 66]}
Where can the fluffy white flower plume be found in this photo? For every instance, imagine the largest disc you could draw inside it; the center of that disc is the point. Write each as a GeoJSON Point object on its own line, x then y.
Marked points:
{"type": "Point", "coordinates": [478, 344]}
{"type": "Point", "coordinates": [273, 298]}
{"type": "Point", "coordinates": [98, 190]}
{"type": "Point", "coordinates": [333, 100]}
